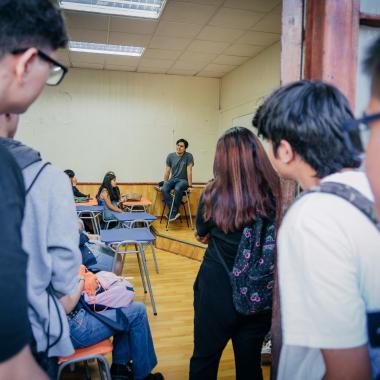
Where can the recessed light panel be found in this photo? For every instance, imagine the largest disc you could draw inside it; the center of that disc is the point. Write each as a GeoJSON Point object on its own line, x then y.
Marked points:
{"type": "Point", "coordinates": [89, 47]}
{"type": "Point", "coordinates": [132, 8]}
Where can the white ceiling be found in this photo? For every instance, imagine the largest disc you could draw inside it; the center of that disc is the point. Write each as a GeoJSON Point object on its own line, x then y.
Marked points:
{"type": "Point", "coordinates": [206, 38]}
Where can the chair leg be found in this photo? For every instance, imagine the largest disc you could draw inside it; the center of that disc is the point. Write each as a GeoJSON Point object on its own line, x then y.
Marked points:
{"type": "Point", "coordinates": [189, 210]}
{"type": "Point", "coordinates": [106, 369]}
{"type": "Point", "coordinates": [148, 279]}
{"type": "Point", "coordinates": [141, 272]}
{"type": "Point", "coordinates": [163, 210]}
{"type": "Point", "coordinates": [154, 256]}
{"type": "Point", "coordinates": [87, 372]}
{"type": "Point", "coordinates": [170, 213]}
{"type": "Point", "coordinates": [187, 219]}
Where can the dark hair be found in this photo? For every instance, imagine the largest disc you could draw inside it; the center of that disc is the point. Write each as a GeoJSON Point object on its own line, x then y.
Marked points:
{"type": "Point", "coordinates": [372, 66]}
{"type": "Point", "coordinates": [310, 116]}
{"type": "Point", "coordinates": [244, 183]}
{"type": "Point", "coordinates": [30, 23]}
{"type": "Point", "coordinates": [182, 141]}
{"type": "Point", "coordinates": [106, 184]}
{"type": "Point", "coordinates": [70, 173]}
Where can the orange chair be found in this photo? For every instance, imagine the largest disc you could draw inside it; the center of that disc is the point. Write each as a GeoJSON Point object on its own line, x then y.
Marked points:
{"type": "Point", "coordinates": [96, 351]}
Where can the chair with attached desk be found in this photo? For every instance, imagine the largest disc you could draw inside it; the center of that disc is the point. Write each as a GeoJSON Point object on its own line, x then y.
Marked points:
{"type": "Point", "coordinates": [134, 220]}
{"type": "Point", "coordinates": [91, 213]}
{"type": "Point", "coordinates": [120, 239]}
{"type": "Point", "coordinates": [137, 206]}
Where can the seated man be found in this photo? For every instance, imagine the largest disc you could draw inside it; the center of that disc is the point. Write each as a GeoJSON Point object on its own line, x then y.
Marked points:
{"type": "Point", "coordinates": [180, 165]}
{"type": "Point", "coordinates": [73, 180]}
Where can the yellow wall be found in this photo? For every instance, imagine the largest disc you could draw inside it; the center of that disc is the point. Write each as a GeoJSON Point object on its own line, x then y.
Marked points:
{"type": "Point", "coordinates": [243, 89]}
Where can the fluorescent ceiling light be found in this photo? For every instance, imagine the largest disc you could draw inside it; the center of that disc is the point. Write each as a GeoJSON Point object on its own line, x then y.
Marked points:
{"type": "Point", "coordinates": [133, 8]}
{"type": "Point", "coordinates": [90, 47]}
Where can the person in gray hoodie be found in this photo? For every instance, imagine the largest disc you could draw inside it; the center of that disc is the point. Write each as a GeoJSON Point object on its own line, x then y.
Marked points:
{"type": "Point", "coordinates": [50, 238]}
{"type": "Point", "coordinates": [30, 33]}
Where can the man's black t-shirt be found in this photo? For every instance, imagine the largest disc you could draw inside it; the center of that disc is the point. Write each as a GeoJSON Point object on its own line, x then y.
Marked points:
{"type": "Point", "coordinates": [14, 324]}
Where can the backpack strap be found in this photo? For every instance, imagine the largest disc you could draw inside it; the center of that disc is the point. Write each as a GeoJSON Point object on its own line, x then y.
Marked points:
{"type": "Point", "coordinates": [350, 194]}
{"type": "Point", "coordinates": [36, 176]}
{"type": "Point", "coordinates": [121, 324]}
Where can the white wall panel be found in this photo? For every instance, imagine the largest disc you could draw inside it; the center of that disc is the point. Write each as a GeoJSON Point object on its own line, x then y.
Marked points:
{"type": "Point", "coordinates": [97, 121]}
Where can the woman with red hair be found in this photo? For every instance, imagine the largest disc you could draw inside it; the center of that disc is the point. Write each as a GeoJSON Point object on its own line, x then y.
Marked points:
{"type": "Point", "coordinates": [244, 184]}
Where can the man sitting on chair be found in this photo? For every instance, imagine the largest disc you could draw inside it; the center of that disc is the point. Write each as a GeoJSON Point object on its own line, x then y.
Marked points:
{"type": "Point", "coordinates": [180, 165]}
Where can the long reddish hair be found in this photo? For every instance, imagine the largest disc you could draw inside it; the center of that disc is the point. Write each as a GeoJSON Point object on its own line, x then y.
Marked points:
{"type": "Point", "coordinates": [244, 182]}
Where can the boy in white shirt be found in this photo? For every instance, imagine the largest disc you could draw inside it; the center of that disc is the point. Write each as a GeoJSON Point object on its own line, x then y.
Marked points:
{"type": "Point", "coordinates": [328, 250]}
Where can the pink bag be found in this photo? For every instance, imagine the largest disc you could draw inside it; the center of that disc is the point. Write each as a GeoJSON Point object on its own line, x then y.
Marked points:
{"type": "Point", "coordinates": [114, 291]}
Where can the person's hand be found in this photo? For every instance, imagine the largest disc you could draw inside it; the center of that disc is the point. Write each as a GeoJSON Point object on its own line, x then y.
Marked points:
{"type": "Point", "coordinates": [93, 237]}
{"type": "Point", "coordinates": [189, 189]}
{"type": "Point", "coordinates": [202, 239]}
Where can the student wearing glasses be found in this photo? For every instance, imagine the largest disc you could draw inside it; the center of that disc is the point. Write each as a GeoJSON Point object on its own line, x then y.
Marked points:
{"type": "Point", "coordinates": [30, 33]}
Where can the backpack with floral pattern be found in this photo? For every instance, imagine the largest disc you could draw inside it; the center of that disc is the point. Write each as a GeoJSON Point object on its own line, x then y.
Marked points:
{"type": "Point", "coordinates": [253, 270]}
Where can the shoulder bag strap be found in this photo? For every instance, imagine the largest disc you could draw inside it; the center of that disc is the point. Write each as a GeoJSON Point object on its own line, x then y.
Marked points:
{"type": "Point", "coordinates": [350, 194]}
{"type": "Point", "coordinates": [36, 176]}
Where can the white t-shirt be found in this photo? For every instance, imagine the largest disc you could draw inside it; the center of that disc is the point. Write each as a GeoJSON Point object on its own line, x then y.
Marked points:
{"type": "Point", "coordinates": [329, 275]}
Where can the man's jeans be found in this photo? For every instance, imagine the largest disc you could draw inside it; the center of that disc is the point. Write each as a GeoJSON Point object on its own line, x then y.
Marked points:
{"type": "Point", "coordinates": [134, 344]}
{"type": "Point", "coordinates": [179, 186]}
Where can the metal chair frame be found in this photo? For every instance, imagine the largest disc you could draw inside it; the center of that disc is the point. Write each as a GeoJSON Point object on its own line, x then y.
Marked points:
{"type": "Point", "coordinates": [93, 216]}
{"type": "Point", "coordinates": [102, 362]}
{"type": "Point", "coordinates": [121, 248]}
{"type": "Point", "coordinates": [184, 204]}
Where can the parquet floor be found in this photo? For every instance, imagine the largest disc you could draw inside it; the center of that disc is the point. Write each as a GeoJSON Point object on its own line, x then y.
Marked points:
{"type": "Point", "coordinates": [172, 328]}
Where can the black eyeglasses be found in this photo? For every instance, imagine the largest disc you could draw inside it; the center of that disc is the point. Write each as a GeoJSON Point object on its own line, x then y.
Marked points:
{"type": "Point", "coordinates": [57, 72]}
{"type": "Point", "coordinates": [362, 126]}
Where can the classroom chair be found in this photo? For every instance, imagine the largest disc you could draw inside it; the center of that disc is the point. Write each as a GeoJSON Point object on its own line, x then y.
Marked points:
{"type": "Point", "coordinates": [185, 203]}
{"type": "Point", "coordinates": [94, 352]}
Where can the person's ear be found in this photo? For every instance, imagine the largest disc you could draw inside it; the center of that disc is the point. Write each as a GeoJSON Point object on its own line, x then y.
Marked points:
{"type": "Point", "coordinates": [24, 63]}
{"type": "Point", "coordinates": [285, 152]}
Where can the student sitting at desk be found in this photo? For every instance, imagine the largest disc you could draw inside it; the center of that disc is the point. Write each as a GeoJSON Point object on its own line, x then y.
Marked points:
{"type": "Point", "coordinates": [108, 196]}
{"type": "Point", "coordinates": [73, 180]}
{"type": "Point", "coordinates": [96, 256]}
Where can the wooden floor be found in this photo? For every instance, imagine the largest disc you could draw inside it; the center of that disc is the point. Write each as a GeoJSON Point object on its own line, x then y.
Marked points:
{"type": "Point", "coordinates": [172, 328]}
{"type": "Point", "coordinates": [177, 230]}
{"type": "Point", "coordinates": [178, 239]}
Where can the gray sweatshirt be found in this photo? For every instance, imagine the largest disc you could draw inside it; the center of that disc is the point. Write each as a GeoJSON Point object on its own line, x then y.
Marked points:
{"type": "Point", "coordinates": [50, 238]}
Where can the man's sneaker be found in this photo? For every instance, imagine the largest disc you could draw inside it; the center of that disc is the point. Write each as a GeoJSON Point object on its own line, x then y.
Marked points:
{"type": "Point", "coordinates": [174, 217]}
{"type": "Point", "coordinates": [154, 376]}
{"type": "Point", "coordinates": [266, 353]}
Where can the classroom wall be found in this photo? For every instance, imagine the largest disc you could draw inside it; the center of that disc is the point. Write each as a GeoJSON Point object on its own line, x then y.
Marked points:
{"type": "Point", "coordinates": [96, 121]}
{"type": "Point", "coordinates": [243, 89]}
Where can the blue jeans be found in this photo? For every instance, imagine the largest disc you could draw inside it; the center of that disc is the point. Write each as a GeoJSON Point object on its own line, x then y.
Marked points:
{"type": "Point", "coordinates": [134, 344]}
{"type": "Point", "coordinates": [179, 186]}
